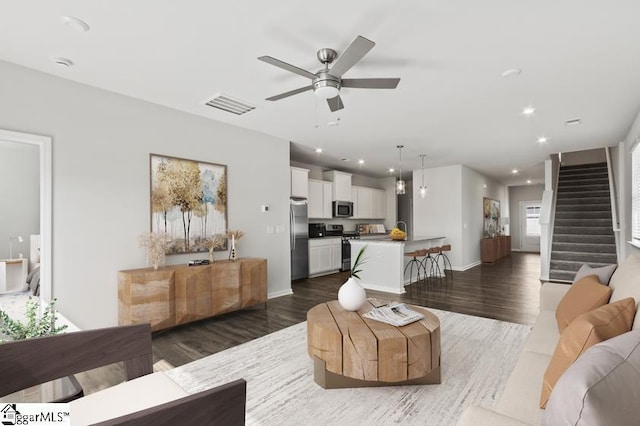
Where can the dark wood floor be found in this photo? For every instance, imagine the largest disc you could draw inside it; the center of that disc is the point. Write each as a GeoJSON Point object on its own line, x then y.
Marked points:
{"type": "Point", "coordinates": [506, 290]}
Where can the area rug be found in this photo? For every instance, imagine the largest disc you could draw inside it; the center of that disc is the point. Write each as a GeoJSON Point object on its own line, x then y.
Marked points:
{"type": "Point", "coordinates": [477, 356]}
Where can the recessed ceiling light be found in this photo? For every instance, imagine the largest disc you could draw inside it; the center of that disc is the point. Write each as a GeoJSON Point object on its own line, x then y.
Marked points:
{"type": "Point", "coordinates": [542, 139]}
{"type": "Point", "coordinates": [512, 72]}
{"type": "Point", "coordinates": [391, 170]}
{"type": "Point", "coordinates": [318, 150]}
{"type": "Point", "coordinates": [361, 161]}
{"type": "Point", "coordinates": [62, 61]}
{"type": "Point", "coordinates": [75, 23]}
{"type": "Point", "coordinates": [332, 123]}
{"type": "Point", "coordinates": [528, 180]}
{"type": "Point", "coordinates": [514, 171]}
{"type": "Point", "coordinates": [573, 122]}
{"type": "Point", "coordinates": [529, 110]}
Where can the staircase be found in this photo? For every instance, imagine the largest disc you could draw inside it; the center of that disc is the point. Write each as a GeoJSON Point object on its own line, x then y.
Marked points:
{"type": "Point", "coordinates": [583, 230]}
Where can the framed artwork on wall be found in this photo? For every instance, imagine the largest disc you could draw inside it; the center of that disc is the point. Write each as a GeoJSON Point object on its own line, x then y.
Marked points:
{"type": "Point", "coordinates": [188, 203]}
{"type": "Point", "coordinates": [491, 215]}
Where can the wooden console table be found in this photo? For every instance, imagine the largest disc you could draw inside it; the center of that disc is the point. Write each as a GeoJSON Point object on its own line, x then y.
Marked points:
{"type": "Point", "coordinates": [178, 294]}
{"type": "Point", "coordinates": [494, 249]}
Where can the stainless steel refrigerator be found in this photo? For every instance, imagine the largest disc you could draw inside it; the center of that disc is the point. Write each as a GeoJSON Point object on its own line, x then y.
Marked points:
{"type": "Point", "coordinates": [299, 225]}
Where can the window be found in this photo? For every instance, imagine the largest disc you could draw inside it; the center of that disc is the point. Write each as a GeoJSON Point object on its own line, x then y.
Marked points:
{"type": "Point", "coordinates": [635, 195]}
{"type": "Point", "coordinates": [533, 221]}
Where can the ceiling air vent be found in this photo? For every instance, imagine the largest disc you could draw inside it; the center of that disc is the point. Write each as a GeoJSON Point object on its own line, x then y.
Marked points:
{"type": "Point", "coordinates": [229, 104]}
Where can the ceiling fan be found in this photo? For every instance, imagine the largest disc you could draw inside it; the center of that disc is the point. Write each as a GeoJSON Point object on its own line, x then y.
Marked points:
{"type": "Point", "coordinates": [327, 82]}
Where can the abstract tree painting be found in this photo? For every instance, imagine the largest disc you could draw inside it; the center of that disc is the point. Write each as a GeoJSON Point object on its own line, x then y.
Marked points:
{"type": "Point", "coordinates": [491, 215]}
{"type": "Point", "coordinates": [188, 202]}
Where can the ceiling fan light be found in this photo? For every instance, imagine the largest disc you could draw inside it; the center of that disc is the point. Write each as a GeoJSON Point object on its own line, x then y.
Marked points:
{"type": "Point", "coordinates": [326, 92]}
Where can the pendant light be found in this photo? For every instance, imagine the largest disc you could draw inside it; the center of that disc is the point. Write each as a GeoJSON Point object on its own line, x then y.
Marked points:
{"type": "Point", "coordinates": [423, 188]}
{"type": "Point", "coordinates": [400, 185]}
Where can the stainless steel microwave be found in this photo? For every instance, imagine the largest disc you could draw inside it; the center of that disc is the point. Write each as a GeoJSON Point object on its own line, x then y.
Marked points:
{"type": "Point", "coordinates": [342, 209]}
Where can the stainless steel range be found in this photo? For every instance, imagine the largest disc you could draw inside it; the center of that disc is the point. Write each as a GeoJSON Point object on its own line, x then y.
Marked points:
{"type": "Point", "coordinates": [346, 248]}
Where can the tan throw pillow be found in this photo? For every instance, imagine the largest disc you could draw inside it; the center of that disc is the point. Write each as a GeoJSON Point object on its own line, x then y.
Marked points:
{"type": "Point", "coordinates": [585, 331]}
{"type": "Point", "coordinates": [585, 295]}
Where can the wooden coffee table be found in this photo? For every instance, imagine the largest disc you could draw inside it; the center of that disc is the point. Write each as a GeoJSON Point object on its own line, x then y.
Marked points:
{"type": "Point", "coordinates": [351, 351]}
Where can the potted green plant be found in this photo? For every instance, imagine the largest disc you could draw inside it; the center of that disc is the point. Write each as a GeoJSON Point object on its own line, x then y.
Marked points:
{"type": "Point", "coordinates": [351, 294]}
{"type": "Point", "coordinates": [35, 326]}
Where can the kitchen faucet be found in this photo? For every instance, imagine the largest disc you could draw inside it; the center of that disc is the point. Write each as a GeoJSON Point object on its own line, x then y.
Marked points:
{"type": "Point", "coordinates": [405, 225]}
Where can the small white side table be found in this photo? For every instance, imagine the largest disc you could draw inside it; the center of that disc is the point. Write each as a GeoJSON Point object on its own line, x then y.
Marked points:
{"type": "Point", "coordinates": [13, 275]}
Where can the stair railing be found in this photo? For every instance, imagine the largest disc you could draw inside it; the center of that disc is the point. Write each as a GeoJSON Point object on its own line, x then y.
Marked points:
{"type": "Point", "coordinates": [613, 191]}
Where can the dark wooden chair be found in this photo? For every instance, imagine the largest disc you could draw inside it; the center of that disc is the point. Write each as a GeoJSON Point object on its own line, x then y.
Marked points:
{"type": "Point", "coordinates": [26, 363]}
{"type": "Point", "coordinates": [31, 362]}
{"type": "Point", "coordinates": [223, 405]}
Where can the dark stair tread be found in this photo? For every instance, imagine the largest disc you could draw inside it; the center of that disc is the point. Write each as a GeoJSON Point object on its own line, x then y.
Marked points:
{"type": "Point", "coordinates": [568, 265]}
{"type": "Point", "coordinates": [583, 247]}
{"type": "Point", "coordinates": [583, 238]}
{"type": "Point", "coordinates": [578, 208]}
{"type": "Point", "coordinates": [584, 214]}
{"type": "Point", "coordinates": [590, 221]}
{"type": "Point", "coordinates": [583, 188]}
{"type": "Point", "coordinates": [584, 166]}
{"type": "Point", "coordinates": [571, 256]}
{"type": "Point", "coordinates": [590, 194]}
{"type": "Point", "coordinates": [594, 230]}
{"type": "Point", "coordinates": [582, 201]}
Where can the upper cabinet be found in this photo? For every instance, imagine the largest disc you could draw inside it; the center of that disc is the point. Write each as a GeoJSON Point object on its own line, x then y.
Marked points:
{"type": "Point", "coordinates": [340, 185]}
{"type": "Point", "coordinates": [299, 182]}
{"type": "Point", "coordinates": [319, 199]}
{"type": "Point", "coordinates": [368, 203]}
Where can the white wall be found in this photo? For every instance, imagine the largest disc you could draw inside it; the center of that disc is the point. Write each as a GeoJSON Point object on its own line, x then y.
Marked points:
{"type": "Point", "coordinates": [453, 209]}
{"type": "Point", "coordinates": [475, 187]}
{"type": "Point", "coordinates": [624, 186]}
{"type": "Point", "coordinates": [20, 199]}
{"type": "Point", "coordinates": [588, 156]}
{"type": "Point", "coordinates": [518, 194]}
{"type": "Point", "coordinates": [439, 214]}
{"type": "Point", "coordinates": [101, 146]}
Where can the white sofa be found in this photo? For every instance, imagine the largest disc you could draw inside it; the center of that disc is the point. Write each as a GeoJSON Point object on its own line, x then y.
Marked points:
{"type": "Point", "coordinates": [519, 403]}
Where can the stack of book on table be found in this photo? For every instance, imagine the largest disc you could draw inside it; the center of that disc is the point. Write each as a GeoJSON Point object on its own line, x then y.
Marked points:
{"type": "Point", "coordinates": [397, 314]}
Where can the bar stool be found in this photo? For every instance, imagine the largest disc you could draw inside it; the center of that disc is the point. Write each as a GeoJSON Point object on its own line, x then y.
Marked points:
{"type": "Point", "coordinates": [414, 262]}
{"type": "Point", "coordinates": [445, 258]}
{"type": "Point", "coordinates": [432, 263]}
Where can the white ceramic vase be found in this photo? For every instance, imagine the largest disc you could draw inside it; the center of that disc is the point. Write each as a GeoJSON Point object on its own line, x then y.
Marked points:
{"type": "Point", "coordinates": [351, 295]}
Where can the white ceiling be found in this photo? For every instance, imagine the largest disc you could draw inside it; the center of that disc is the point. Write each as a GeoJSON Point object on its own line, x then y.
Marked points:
{"type": "Point", "coordinates": [579, 59]}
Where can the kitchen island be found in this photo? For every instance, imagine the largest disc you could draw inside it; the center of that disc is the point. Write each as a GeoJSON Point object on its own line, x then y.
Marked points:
{"type": "Point", "coordinates": [383, 269]}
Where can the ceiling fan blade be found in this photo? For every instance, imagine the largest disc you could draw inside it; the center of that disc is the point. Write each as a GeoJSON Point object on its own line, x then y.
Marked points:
{"type": "Point", "coordinates": [370, 83]}
{"type": "Point", "coordinates": [292, 68]}
{"type": "Point", "coordinates": [356, 51]}
{"type": "Point", "coordinates": [335, 104]}
{"type": "Point", "coordinates": [289, 93]}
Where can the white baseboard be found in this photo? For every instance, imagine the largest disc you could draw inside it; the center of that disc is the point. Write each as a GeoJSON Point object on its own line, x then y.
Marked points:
{"type": "Point", "coordinates": [466, 267]}
{"type": "Point", "coordinates": [279, 293]}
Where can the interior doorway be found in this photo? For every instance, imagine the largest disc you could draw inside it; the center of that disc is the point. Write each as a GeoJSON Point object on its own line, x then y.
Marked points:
{"type": "Point", "coordinates": [530, 226]}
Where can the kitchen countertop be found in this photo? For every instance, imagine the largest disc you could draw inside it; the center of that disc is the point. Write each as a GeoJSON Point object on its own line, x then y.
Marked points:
{"type": "Point", "coordinates": [386, 239]}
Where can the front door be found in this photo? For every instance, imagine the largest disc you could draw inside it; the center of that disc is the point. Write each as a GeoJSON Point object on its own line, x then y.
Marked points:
{"type": "Point", "coordinates": [530, 226]}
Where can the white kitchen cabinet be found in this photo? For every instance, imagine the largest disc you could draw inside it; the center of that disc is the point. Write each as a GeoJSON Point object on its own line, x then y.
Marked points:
{"type": "Point", "coordinates": [369, 203]}
{"type": "Point", "coordinates": [319, 199]}
{"type": "Point", "coordinates": [354, 199]}
{"type": "Point", "coordinates": [340, 185]}
{"type": "Point", "coordinates": [299, 182]}
{"type": "Point", "coordinates": [379, 204]}
{"type": "Point", "coordinates": [325, 255]}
